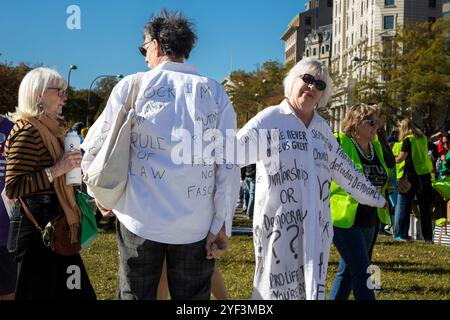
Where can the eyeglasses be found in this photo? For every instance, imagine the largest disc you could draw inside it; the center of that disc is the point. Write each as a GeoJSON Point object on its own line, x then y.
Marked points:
{"type": "Point", "coordinates": [143, 49]}
{"type": "Point", "coordinates": [309, 79]}
{"type": "Point", "coordinates": [61, 92]}
{"type": "Point", "coordinates": [372, 122]}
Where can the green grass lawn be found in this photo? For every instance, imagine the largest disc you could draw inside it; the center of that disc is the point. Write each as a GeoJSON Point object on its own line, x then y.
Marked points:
{"type": "Point", "coordinates": [409, 271]}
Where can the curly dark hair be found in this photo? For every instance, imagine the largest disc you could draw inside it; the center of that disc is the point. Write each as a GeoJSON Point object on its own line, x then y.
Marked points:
{"type": "Point", "coordinates": [173, 32]}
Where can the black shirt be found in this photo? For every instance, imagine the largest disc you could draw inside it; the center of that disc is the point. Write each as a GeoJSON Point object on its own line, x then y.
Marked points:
{"type": "Point", "coordinates": [409, 165]}
{"type": "Point", "coordinates": [366, 216]}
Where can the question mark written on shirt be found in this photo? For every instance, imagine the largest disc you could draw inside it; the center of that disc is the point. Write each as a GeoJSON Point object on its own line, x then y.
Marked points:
{"type": "Point", "coordinates": [291, 244]}
{"type": "Point", "coordinates": [278, 235]}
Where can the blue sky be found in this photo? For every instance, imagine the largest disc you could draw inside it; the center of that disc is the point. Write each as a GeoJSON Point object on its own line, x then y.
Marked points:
{"type": "Point", "coordinates": [233, 34]}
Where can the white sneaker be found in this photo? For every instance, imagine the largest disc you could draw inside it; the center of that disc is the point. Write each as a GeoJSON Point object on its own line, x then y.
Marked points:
{"type": "Point", "coordinates": [388, 229]}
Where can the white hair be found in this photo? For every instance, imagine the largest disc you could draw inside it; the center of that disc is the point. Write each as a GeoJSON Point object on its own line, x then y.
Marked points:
{"type": "Point", "coordinates": [313, 67]}
{"type": "Point", "coordinates": [32, 89]}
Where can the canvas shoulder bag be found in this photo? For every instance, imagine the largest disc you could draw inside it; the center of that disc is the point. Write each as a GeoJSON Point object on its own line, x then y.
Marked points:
{"type": "Point", "coordinates": [107, 175]}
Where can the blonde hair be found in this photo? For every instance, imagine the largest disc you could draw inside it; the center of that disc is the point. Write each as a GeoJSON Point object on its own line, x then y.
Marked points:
{"type": "Point", "coordinates": [315, 68]}
{"type": "Point", "coordinates": [356, 114]}
{"type": "Point", "coordinates": [407, 128]}
{"type": "Point", "coordinates": [32, 89]}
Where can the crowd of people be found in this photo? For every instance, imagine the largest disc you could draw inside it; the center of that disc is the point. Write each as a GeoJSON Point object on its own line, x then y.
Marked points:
{"type": "Point", "coordinates": [307, 189]}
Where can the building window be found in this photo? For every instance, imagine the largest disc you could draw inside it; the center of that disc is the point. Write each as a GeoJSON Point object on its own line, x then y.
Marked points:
{"type": "Point", "coordinates": [308, 21]}
{"type": "Point", "coordinates": [307, 53]}
{"type": "Point", "coordinates": [432, 3]}
{"type": "Point", "coordinates": [323, 50]}
{"type": "Point", "coordinates": [330, 3]}
{"type": "Point", "coordinates": [314, 51]}
{"type": "Point", "coordinates": [388, 22]}
{"type": "Point", "coordinates": [389, 2]}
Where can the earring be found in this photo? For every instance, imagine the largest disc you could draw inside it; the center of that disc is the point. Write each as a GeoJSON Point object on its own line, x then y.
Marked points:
{"type": "Point", "coordinates": [40, 106]}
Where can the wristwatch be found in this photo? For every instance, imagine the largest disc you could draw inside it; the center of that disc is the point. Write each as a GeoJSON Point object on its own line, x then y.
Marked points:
{"type": "Point", "coordinates": [49, 174]}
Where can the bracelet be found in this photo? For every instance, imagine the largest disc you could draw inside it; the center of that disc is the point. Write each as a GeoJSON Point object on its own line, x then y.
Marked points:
{"type": "Point", "coordinates": [49, 174]}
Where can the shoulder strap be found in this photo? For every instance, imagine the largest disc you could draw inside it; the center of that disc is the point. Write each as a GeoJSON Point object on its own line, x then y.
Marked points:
{"type": "Point", "coordinates": [28, 214]}
{"type": "Point", "coordinates": [134, 91]}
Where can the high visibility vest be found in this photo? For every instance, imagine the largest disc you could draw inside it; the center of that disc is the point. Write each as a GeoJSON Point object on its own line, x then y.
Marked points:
{"type": "Point", "coordinates": [343, 206]}
{"type": "Point", "coordinates": [419, 153]}
{"type": "Point", "coordinates": [400, 167]}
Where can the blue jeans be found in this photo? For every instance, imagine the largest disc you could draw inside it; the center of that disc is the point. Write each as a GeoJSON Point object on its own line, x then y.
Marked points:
{"type": "Point", "coordinates": [401, 219]}
{"type": "Point", "coordinates": [250, 185]}
{"type": "Point", "coordinates": [353, 245]}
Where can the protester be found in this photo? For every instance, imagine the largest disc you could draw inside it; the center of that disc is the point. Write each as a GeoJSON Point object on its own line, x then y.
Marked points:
{"type": "Point", "coordinates": [413, 161]}
{"type": "Point", "coordinates": [356, 225]}
{"type": "Point", "coordinates": [84, 132]}
{"type": "Point", "coordinates": [8, 267]}
{"type": "Point", "coordinates": [78, 127]}
{"type": "Point", "coordinates": [35, 168]}
{"type": "Point", "coordinates": [181, 211]}
{"type": "Point", "coordinates": [249, 182]}
{"type": "Point", "coordinates": [292, 224]}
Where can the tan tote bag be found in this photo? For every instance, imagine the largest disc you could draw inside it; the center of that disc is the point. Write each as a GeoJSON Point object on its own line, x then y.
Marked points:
{"type": "Point", "coordinates": [107, 175]}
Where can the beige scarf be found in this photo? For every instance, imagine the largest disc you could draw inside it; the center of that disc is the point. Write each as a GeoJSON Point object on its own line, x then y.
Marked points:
{"type": "Point", "coordinates": [52, 133]}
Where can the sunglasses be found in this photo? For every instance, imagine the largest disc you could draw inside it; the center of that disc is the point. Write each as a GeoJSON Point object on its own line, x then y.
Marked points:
{"type": "Point", "coordinates": [143, 49]}
{"type": "Point", "coordinates": [60, 91]}
{"type": "Point", "coordinates": [373, 123]}
{"type": "Point", "coordinates": [309, 79]}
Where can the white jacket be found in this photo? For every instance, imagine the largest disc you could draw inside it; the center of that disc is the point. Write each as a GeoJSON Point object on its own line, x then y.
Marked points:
{"type": "Point", "coordinates": [164, 201]}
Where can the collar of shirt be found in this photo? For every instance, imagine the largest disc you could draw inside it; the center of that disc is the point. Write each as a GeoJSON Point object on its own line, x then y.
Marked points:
{"type": "Point", "coordinates": [177, 67]}
{"type": "Point", "coordinates": [285, 108]}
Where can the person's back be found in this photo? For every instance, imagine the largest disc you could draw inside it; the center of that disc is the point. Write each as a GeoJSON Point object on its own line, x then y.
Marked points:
{"type": "Point", "coordinates": [174, 104]}
{"type": "Point", "coordinates": [179, 197]}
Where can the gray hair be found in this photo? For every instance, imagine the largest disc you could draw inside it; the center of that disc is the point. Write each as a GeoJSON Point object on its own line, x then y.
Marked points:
{"type": "Point", "coordinates": [32, 89]}
{"type": "Point", "coordinates": [315, 68]}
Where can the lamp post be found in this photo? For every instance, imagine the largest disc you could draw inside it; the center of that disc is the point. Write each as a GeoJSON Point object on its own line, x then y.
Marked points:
{"type": "Point", "coordinates": [71, 67]}
{"type": "Point", "coordinates": [118, 76]}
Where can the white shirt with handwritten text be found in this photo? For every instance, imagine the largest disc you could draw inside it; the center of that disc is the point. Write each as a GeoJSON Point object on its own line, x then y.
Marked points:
{"type": "Point", "coordinates": [292, 228]}
{"type": "Point", "coordinates": [164, 201]}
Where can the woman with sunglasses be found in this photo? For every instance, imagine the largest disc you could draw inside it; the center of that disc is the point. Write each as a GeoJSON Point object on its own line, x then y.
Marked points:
{"type": "Point", "coordinates": [414, 162]}
{"type": "Point", "coordinates": [35, 168]}
{"type": "Point", "coordinates": [355, 224]}
{"type": "Point", "coordinates": [291, 222]}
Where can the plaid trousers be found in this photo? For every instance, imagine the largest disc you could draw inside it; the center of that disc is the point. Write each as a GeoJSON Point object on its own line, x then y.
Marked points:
{"type": "Point", "coordinates": [188, 271]}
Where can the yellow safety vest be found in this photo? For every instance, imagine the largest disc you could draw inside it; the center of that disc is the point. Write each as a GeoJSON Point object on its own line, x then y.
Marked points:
{"type": "Point", "coordinates": [400, 167]}
{"type": "Point", "coordinates": [419, 153]}
{"type": "Point", "coordinates": [343, 206]}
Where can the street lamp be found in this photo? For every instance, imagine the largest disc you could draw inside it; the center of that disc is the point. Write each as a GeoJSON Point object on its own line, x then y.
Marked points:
{"type": "Point", "coordinates": [118, 76]}
{"type": "Point", "coordinates": [71, 67]}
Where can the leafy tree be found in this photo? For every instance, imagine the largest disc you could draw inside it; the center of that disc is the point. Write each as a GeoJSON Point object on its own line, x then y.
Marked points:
{"type": "Point", "coordinates": [10, 78]}
{"type": "Point", "coordinates": [416, 71]}
{"type": "Point", "coordinates": [100, 95]}
{"type": "Point", "coordinates": [253, 91]}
